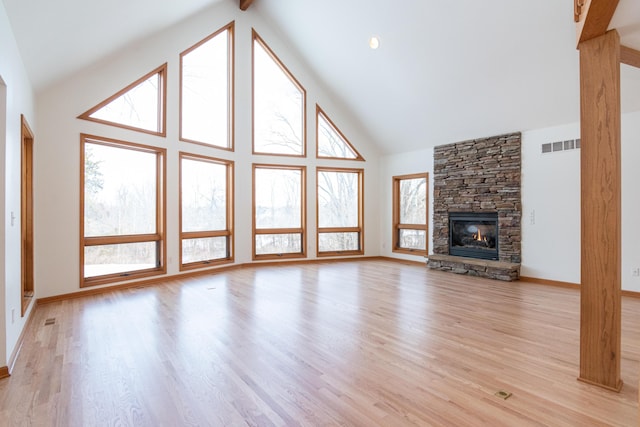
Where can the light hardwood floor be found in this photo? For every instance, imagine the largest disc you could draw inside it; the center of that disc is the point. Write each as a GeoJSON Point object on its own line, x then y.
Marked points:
{"type": "Point", "coordinates": [359, 343]}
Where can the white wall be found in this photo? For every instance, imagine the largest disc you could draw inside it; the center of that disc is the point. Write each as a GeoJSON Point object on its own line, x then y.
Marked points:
{"type": "Point", "coordinates": [57, 158]}
{"type": "Point", "coordinates": [551, 188]}
{"type": "Point", "coordinates": [16, 98]}
{"type": "Point", "coordinates": [550, 202]}
{"type": "Point", "coordinates": [551, 206]}
{"type": "Point", "coordinates": [630, 200]}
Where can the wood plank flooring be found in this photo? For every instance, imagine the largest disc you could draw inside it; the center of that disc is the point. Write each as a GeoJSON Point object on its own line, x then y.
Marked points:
{"type": "Point", "coordinates": [368, 343]}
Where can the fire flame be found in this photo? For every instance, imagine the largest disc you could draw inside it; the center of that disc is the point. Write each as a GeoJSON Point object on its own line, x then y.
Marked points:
{"type": "Point", "coordinates": [479, 237]}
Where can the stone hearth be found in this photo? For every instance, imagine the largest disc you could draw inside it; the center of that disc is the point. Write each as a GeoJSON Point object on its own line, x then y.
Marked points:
{"type": "Point", "coordinates": [480, 175]}
{"type": "Point", "coordinates": [475, 267]}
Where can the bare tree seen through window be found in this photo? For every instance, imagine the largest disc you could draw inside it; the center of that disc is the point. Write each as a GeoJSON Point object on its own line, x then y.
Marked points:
{"type": "Point", "coordinates": [204, 204]}
{"type": "Point", "coordinates": [205, 94]}
{"type": "Point", "coordinates": [339, 215]}
{"type": "Point", "coordinates": [139, 107]}
{"type": "Point", "coordinates": [331, 143]}
{"type": "Point", "coordinates": [120, 188]}
{"type": "Point", "coordinates": [278, 106]}
{"type": "Point", "coordinates": [410, 213]}
{"type": "Point", "coordinates": [278, 210]}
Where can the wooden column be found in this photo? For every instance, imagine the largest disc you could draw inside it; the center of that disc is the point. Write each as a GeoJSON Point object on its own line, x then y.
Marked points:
{"type": "Point", "coordinates": [600, 295]}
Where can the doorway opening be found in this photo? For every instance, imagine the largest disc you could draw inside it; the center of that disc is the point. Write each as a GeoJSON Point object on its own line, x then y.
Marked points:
{"type": "Point", "coordinates": [26, 214]}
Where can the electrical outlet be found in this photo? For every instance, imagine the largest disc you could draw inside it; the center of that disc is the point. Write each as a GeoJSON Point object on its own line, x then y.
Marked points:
{"type": "Point", "coordinates": [13, 315]}
{"type": "Point", "coordinates": [532, 217]}
{"type": "Point", "coordinates": [636, 272]}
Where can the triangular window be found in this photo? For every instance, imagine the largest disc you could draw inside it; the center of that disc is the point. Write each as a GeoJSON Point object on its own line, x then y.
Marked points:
{"type": "Point", "coordinates": [331, 143]}
{"type": "Point", "coordinates": [206, 105]}
{"type": "Point", "coordinates": [278, 105]}
{"type": "Point", "coordinates": [139, 106]}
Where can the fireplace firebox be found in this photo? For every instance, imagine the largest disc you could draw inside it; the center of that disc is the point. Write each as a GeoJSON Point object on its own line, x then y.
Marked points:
{"type": "Point", "coordinates": [473, 234]}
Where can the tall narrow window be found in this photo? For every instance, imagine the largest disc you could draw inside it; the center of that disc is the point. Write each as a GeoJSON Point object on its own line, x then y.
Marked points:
{"type": "Point", "coordinates": [140, 106]}
{"type": "Point", "coordinates": [205, 211]}
{"type": "Point", "coordinates": [278, 105]}
{"type": "Point", "coordinates": [331, 143]}
{"type": "Point", "coordinates": [410, 213]}
{"type": "Point", "coordinates": [206, 104]}
{"type": "Point", "coordinates": [122, 212]}
{"type": "Point", "coordinates": [279, 211]}
{"type": "Point", "coordinates": [340, 211]}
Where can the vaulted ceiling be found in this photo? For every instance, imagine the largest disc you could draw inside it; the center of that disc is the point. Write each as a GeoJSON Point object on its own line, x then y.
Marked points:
{"type": "Point", "coordinates": [445, 70]}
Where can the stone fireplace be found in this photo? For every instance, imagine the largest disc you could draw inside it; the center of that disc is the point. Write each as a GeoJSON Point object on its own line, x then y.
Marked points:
{"type": "Point", "coordinates": [477, 192]}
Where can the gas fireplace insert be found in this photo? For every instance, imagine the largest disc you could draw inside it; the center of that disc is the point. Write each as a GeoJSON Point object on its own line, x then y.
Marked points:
{"type": "Point", "coordinates": [473, 234]}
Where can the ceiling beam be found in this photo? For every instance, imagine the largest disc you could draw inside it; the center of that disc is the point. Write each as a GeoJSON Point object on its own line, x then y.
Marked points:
{"type": "Point", "coordinates": [593, 17]}
{"type": "Point", "coordinates": [630, 56]}
{"type": "Point", "coordinates": [244, 4]}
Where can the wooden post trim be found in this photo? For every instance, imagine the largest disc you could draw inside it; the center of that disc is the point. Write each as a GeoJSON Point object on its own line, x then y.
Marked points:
{"type": "Point", "coordinates": [601, 211]}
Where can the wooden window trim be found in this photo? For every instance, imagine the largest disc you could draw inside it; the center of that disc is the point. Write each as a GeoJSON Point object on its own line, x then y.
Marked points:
{"type": "Point", "coordinates": [230, 27]}
{"type": "Point", "coordinates": [293, 230]}
{"type": "Point", "coordinates": [162, 108]}
{"type": "Point", "coordinates": [339, 229]}
{"type": "Point", "coordinates": [359, 229]}
{"type": "Point", "coordinates": [320, 112]}
{"type": "Point", "coordinates": [256, 38]}
{"type": "Point", "coordinates": [204, 234]}
{"type": "Point", "coordinates": [397, 226]}
{"type": "Point", "coordinates": [128, 238]}
{"type": "Point", "coordinates": [228, 232]}
{"type": "Point", "coordinates": [26, 216]}
{"type": "Point", "coordinates": [159, 237]}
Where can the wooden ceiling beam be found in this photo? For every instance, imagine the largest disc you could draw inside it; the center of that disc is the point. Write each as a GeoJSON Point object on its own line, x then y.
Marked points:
{"type": "Point", "coordinates": [593, 17]}
{"type": "Point", "coordinates": [244, 4]}
{"type": "Point", "coordinates": [630, 56]}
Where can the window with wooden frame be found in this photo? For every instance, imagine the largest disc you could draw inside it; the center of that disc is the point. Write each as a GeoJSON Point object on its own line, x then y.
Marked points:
{"type": "Point", "coordinates": [279, 214]}
{"type": "Point", "coordinates": [206, 94]}
{"type": "Point", "coordinates": [141, 106]}
{"type": "Point", "coordinates": [206, 211]}
{"type": "Point", "coordinates": [410, 196]}
{"type": "Point", "coordinates": [122, 210]}
{"type": "Point", "coordinates": [279, 105]}
{"type": "Point", "coordinates": [331, 143]}
{"type": "Point", "coordinates": [340, 202]}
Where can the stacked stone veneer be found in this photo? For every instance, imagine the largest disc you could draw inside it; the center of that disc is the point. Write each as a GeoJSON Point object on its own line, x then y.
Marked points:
{"type": "Point", "coordinates": [480, 175]}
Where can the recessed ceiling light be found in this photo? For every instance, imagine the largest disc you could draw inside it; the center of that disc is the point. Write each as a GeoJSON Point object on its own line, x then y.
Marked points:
{"type": "Point", "coordinates": [374, 42]}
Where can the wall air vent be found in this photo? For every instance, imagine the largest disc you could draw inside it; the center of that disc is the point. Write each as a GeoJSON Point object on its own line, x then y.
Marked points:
{"type": "Point", "coordinates": [552, 147]}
